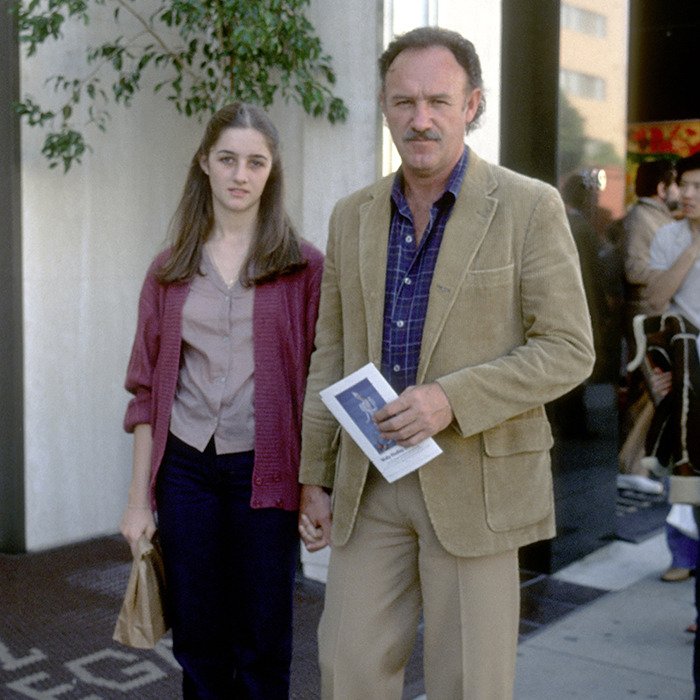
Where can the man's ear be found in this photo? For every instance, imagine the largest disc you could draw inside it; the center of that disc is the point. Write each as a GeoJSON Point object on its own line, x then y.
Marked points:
{"type": "Point", "coordinates": [472, 105]}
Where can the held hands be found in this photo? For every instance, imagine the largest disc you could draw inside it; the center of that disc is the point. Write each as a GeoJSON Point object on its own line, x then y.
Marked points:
{"type": "Point", "coordinates": [135, 522]}
{"type": "Point", "coordinates": [314, 517]}
{"type": "Point", "coordinates": [418, 413]}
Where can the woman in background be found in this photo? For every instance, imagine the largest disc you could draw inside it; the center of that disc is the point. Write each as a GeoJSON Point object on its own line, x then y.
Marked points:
{"type": "Point", "coordinates": [218, 371]}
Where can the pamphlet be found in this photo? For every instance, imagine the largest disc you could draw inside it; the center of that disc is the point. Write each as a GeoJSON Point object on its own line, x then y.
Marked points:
{"type": "Point", "coordinates": [353, 401]}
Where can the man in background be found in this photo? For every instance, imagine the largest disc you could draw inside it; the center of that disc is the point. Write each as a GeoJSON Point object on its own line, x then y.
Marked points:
{"type": "Point", "coordinates": [657, 196]}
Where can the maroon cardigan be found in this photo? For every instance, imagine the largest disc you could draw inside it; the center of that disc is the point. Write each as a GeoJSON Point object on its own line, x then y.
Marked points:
{"type": "Point", "coordinates": [284, 316]}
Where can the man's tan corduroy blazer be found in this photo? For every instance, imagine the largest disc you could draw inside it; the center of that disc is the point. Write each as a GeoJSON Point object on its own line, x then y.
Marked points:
{"type": "Point", "coordinates": [507, 330]}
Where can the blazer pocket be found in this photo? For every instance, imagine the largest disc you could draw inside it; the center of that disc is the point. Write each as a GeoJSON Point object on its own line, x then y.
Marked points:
{"type": "Point", "coordinates": [517, 473]}
{"type": "Point", "coordinates": [491, 277]}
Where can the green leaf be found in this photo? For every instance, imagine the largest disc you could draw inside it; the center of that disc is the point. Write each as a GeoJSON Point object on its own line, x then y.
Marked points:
{"type": "Point", "coordinates": [220, 50]}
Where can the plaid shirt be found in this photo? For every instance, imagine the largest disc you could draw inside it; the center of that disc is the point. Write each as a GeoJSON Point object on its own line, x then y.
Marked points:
{"type": "Point", "coordinates": [409, 273]}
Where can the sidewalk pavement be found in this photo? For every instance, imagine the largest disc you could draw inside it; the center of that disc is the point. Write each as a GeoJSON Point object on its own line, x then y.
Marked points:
{"type": "Point", "coordinates": [57, 610]}
{"type": "Point", "coordinates": [629, 643]}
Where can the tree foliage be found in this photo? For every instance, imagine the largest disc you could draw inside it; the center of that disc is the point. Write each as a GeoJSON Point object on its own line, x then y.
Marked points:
{"type": "Point", "coordinates": [575, 148]}
{"type": "Point", "coordinates": [571, 136]}
{"type": "Point", "coordinates": [204, 54]}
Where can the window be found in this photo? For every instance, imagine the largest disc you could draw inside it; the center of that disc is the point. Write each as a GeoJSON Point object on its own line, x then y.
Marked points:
{"type": "Point", "coordinates": [574, 83]}
{"type": "Point", "coordinates": [584, 21]}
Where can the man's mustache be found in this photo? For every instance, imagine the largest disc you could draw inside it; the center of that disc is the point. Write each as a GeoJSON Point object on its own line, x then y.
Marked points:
{"type": "Point", "coordinates": [427, 135]}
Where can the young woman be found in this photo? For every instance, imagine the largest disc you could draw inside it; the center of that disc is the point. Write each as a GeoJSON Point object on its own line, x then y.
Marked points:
{"type": "Point", "coordinates": [218, 371]}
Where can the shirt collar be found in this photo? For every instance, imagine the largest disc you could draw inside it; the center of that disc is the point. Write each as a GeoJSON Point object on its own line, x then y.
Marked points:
{"type": "Point", "coordinates": [653, 203]}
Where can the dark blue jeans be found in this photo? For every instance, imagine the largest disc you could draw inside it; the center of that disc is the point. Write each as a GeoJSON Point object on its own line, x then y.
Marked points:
{"type": "Point", "coordinates": [229, 575]}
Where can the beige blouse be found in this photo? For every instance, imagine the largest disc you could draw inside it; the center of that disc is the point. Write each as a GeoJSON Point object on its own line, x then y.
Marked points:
{"type": "Point", "coordinates": [215, 387]}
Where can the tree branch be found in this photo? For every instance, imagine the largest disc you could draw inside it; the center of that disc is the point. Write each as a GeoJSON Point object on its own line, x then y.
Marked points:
{"type": "Point", "coordinates": [185, 68]}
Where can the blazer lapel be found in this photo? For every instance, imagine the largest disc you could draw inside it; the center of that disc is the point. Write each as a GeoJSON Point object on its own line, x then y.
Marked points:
{"type": "Point", "coordinates": [375, 220]}
{"type": "Point", "coordinates": [464, 234]}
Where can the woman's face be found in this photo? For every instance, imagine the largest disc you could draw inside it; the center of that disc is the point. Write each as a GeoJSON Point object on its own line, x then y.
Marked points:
{"type": "Point", "coordinates": [238, 166]}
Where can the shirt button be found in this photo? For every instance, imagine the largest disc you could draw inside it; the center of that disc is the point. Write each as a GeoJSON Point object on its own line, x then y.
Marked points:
{"type": "Point", "coordinates": [396, 368]}
{"type": "Point", "coordinates": [409, 239]}
{"type": "Point", "coordinates": [407, 280]}
{"type": "Point", "coordinates": [399, 324]}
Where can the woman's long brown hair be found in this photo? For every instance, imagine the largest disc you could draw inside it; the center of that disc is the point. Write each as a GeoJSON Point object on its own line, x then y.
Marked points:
{"type": "Point", "coordinates": [275, 250]}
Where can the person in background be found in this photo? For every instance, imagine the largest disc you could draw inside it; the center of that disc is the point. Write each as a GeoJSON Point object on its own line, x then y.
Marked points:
{"type": "Point", "coordinates": [581, 200]}
{"type": "Point", "coordinates": [657, 195]}
{"type": "Point", "coordinates": [657, 198]}
{"type": "Point", "coordinates": [460, 280]}
{"type": "Point", "coordinates": [675, 255]}
{"type": "Point", "coordinates": [218, 372]}
{"type": "Point", "coordinates": [569, 414]}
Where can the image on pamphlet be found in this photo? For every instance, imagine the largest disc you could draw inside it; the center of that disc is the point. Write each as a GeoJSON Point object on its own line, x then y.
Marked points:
{"type": "Point", "coordinates": [353, 401]}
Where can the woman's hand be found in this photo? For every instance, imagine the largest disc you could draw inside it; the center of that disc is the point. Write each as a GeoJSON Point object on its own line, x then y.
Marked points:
{"type": "Point", "coordinates": [137, 521]}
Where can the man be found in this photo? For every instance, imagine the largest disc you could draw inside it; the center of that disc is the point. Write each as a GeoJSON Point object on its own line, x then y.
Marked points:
{"type": "Point", "coordinates": [675, 253]}
{"type": "Point", "coordinates": [657, 192]}
{"type": "Point", "coordinates": [461, 281]}
{"type": "Point", "coordinates": [674, 258]}
{"type": "Point", "coordinates": [581, 201]}
{"type": "Point", "coordinates": [657, 195]}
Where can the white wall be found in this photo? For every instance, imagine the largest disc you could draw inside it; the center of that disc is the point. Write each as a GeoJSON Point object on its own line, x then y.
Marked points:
{"type": "Point", "coordinates": [88, 237]}
{"type": "Point", "coordinates": [323, 162]}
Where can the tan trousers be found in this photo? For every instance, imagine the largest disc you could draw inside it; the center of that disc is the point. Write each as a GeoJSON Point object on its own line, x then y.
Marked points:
{"type": "Point", "coordinates": [392, 567]}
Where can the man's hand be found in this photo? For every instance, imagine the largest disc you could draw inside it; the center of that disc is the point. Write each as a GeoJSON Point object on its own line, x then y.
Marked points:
{"type": "Point", "coordinates": [418, 413]}
{"type": "Point", "coordinates": [314, 517]}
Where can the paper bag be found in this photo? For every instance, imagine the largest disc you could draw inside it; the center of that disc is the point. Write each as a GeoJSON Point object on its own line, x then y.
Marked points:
{"type": "Point", "coordinates": [141, 622]}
